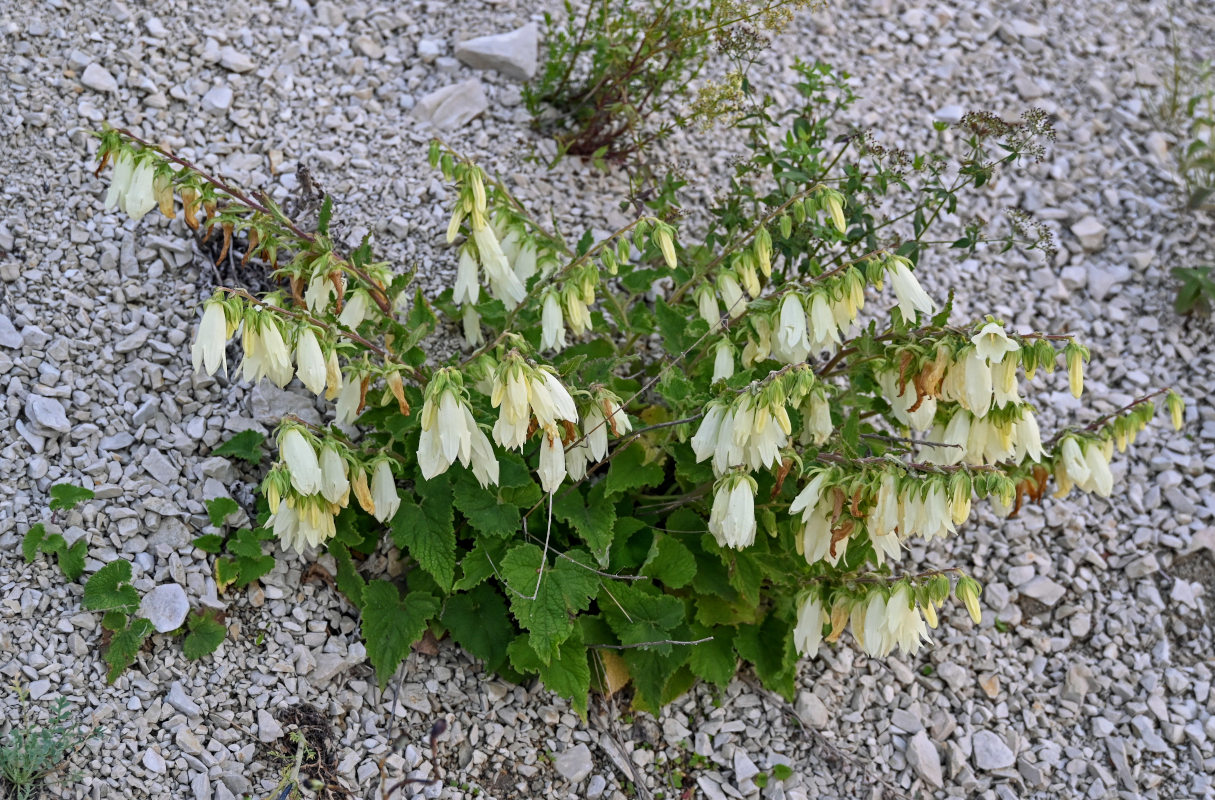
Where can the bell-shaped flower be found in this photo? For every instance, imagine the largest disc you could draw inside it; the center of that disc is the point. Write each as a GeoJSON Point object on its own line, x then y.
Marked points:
{"type": "Point", "coordinates": [723, 361]}
{"type": "Point", "coordinates": [349, 399]}
{"type": "Point", "coordinates": [904, 625]}
{"type": "Point", "coordinates": [732, 518]}
{"type": "Point", "coordinates": [120, 181]}
{"type": "Point", "coordinates": [992, 343]}
{"type": "Point", "coordinates": [1027, 438]}
{"type": "Point", "coordinates": [301, 461]}
{"type": "Point", "coordinates": [384, 491]}
{"type": "Point", "coordinates": [977, 384]}
{"type": "Point", "coordinates": [140, 197]}
{"type": "Point", "coordinates": [504, 284]}
{"type": "Point", "coordinates": [791, 342]}
{"type": "Point", "coordinates": [731, 294]}
{"type": "Point", "coordinates": [1004, 383]}
{"type": "Point", "coordinates": [824, 333]}
{"type": "Point", "coordinates": [311, 366]}
{"type": "Point", "coordinates": [552, 459]}
{"type": "Point", "coordinates": [912, 298]}
{"type": "Point", "coordinates": [808, 634]}
{"type": "Point", "coordinates": [335, 486]}
{"type": "Point", "coordinates": [706, 305]}
{"type": "Point", "coordinates": [358, 303]}
{"type": "Point", "coordinates": [552, 323]}
{"type": "Point", "coordinates": [319, 292]}
{"type": "Point", "coordinates": [208, 351]}
{"type": "Point", "coordinates": [467, 289]}
{"type": "Point", "coordinates": [704, 441]}
{"type": "Point", "coordinates": [472, 327]}
{"type": "Point", "coordinates": [816, 419]}
{"type": "Point", "coordinates": [1101, 479]}
{"type": "Point", "coordinates": [1072, 458]}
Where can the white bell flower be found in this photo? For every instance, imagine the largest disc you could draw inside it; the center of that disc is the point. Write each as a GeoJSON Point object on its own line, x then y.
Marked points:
{"type": "Point", "coordinates": [140, 197]}
{"type": "Point", "coordinates": [911, 296]}
{"type": "Point", "coordinates": [704, 441]}
{"type": "Point", "coordinates": [335, 486]}
{"type": "Point", "coordinates": [723, 361]}
{"type": "Point", "coordinates": [311, 366]}
{"type": "Point", "coordinates": [977, 386]}
{"type": "Point", "coordinates": [384, 491]}
{"type": "Point", "coordinates": [791, 343]}
{"type": "Point", "coordinates": [808, 635]}
{"type": "Point", "coordinates": [552, 323]}
{"type": "Point", "coordinates": [297, 453]}
{"type": "Point", "coordinates": [732, 518]}
{"type": "Point", "coordinates": [552, 459]}
{"type": "Point", "coordinates": [358, 303]}
{"type": "Point", "coordinates": [992, 343]}
{"type": "Point", "coordinates": [208, 352]}
{"type": "Point", "coordinates": [347, 408]}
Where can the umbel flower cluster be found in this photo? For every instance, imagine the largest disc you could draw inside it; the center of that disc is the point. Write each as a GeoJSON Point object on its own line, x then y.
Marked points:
{"type": "Point", "coordinates": [751, 486]}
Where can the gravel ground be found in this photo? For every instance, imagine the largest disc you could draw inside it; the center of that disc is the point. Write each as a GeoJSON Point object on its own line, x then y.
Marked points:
{"type": "Point", "coordinates": [1090, 675]}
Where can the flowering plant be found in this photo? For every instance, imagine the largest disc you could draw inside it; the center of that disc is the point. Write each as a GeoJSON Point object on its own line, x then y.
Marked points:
{"type": "Point", "coordinates": [655, 456]}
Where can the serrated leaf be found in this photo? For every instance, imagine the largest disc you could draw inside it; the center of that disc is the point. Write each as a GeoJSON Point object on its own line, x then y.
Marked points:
{"type": "Point", "coordinates": [769, 648]}
{"type": "Point", "coordinates": [251, 569]}
{"type": "Point", "coordinates": [640, 614]}
{"type": "Point", "coordinates": [55, 543]}
{"type": "Point", "coordinates": [715, 660]}
{"type": "Point", "coordinates": [114, 620]}
{"type": "Point", "coordinates": [545, 607]}
{"type": "Point", "coordinates": [566, 673]}
{"type": "Point", "coordinates": [209, 543]}
{"type": "Point", "coordinates": [326, 213]}
{"type": "Point", "coordinates": [32, 541]}
{"type": "Point", "coordinates": [515, 483]}
{"type": "Point", "coordinates": [479, 622]}
{"type": "Point", "coordinates": [670, 562]}
{"type": "Point", "coordinates": [593, 517]}
{"type": "Point", "coordinates": [427, 531]}
{"type": "Point", "coordinates": [349, 581]}
{"type": "Point", "coordinates": [124, 646]}
{"type": "Point", "coordinates": [246, 445]}
{"type": "Point", "coordinates": [391, 625]}
{"type": "Point", "coordinates": [478, 565]}
{"type": "Point", "coordinates": [652, 671]}
{"type": "Point", "coordinates": [227, 572]}
{"type": "Point", "coordinates": [484, 512]}
{"type": "Point", "coordinates": [206, 633]}
{"type": "Point", "coordinates": [71, 559]}
{"type": "Point", "coordinates": [629, 471]}
{"type": "Point", "coordinates": [66, 496]}
{"type": "Point", "coordinates": [109, 588]}
{"type": "Point", "coordinates": [244, 543]}
{"type": "Point", "coordinates": [220, 508]}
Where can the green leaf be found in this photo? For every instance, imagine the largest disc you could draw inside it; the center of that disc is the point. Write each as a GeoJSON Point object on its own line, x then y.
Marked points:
{"type": "Point", "coordinates": [209, 543]}
{"type": "Point", "coordinates": [32, 541]}
{"type": "Point", "coordinates": [427, 531]}
{"type": "Point", "coordinates": [769, 647]}
{"type": "Point", "coordinates": [484, 512]}
{"type": "Point", "coordinates": [246, 445]}
{"type": "Point", "coordinates": [479, 622]}
{"type": "Point", "coordinates": [124, 646]}
{"type": "Point", "coordinates": [628, 471]}
{"type": "Point", "coordinates": [205, 636]}
{"type": "Point", "coordinates": [109, 588]}
{"type": "Point", "coordinates": [220, 508]}
{"type": "Point", "coordinates": [322, 222]}
{"type": "Point", "coordinates": [640, 614]}
{"type": "Point", "coordinates": [391, 625]}
{"type": "Point", "coordinates": [249, 570]}
{"type": "Point", "coordinates": [714, 660]}
{"type": "Point", "coordinates": [568, 673]}
{"type": "Point", "coordinates": [479, 563]}
{"type": "Point", "coordinates": [71, 559]}
{"type": "Point", "coordinates": [670, 562]}
{"type": "Point", "coordinates": [593, 518]}
{"type": "Point", "coordinates": [227, 572]}
{"type": "Point", "coordinates": [678, 331]}
{"type": "Point", "coordinates": [349, 581]}
{"type": "Point", "coordinates": [782, 772]}
{"type": "Point", "coordinates": [244, 543]}
{"type": "Point", "coordinates": [114, 620]}
{"type": "Point", "coordinates": [652, 671]}
{"type": "Point", "coordinates": [55, 543]}
{"type": "Point", "coordinates": [564, 589]}
{"type": "Point", "coordinates": [515, 484]}
{"type": "Point", "coordinates": [66, 496]}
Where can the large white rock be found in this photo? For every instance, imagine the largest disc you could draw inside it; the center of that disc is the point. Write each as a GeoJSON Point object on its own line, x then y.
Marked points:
{"type": "Point", "coordinates": [452, 106]}
{"type": "Point", "coordinates": [513, 54]}
{"type": "Point", "coordinates": [923, 757]}
{"type": "Point", "coordinates": [99, 79]}
{"type": "Point", "coordinates": [165, 607]}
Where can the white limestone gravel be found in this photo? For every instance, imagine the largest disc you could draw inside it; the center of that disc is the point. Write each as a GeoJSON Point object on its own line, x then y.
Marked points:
{"type": "Point", "coordinates": [1091, 673]}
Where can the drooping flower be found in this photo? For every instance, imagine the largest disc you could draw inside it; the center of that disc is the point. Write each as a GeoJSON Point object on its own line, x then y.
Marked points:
{"type": "Point", "coordinates": [319, 292]}
{"type": "Point", "coordinates": [467, 289]}
{"type": "Point", "coordinates": [904, 625]}
{"type": "Point", "coordinates": [355, 311]}
{"type": "Point", "coordinates": [791, 343]}
{"type": "Point", "coordinates": [140, 197]}
{"type": "Point", "coordinates": [731, 293]}
{"type": "Point", "coordinates": [552, 459]}
{"type": "Point", "coordinates": [297, 453]}
{"type": "Point", "coordinates": [704, 441]}
{"type": "Point", "coordinates": [552, 323]}
{"type": "Point", "coordinates": [209, 347]}
{"type": "Point", "coordinates": [335, 486]}
{"type": "Point", "coordinates": [1004, 383]}
{"type": "Point", "coordinates": [723, 361]}
{"type": "Point", "coordinates": [1027, 439]}
{"type": "Point", "coordinates": [472, 327]}
{"type": "Point", "coordinates": [732, 518]}
{"type": "Point", "coordinates": [1075, 370]}
{"type": "Point", "coordinates": [706, 304]}
{"type": "Point", "coordinates": [816, 418]}
{"type": "Point", "coordinates": [347, 408]}
{"type": "Point", "coordinates": [808, 635]}
{"type": "Point", "coordinates": [310, 362]}
{"type": "Point", "coordinates": [504, 284]}
{"type": "Point", "coordinates": [822, 324]}
{"type": "Point", "coordinates": [977, 384]}
{"type": "Point", "coordinates": [912, 298]}
{"type": "Point", "coordinates": [384, 491]}
{"type": "Point", "coordinates": [120, 181]}
{"type": "Point", "coordinates": [266, 354]}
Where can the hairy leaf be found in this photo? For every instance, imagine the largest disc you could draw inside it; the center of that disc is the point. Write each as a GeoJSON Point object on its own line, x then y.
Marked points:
{"type": "Point", "coordinates": [32, 541]}
{"type": "Point", "coordinates": [427, 531]}
{"type": "Point", "coordinates": [65, 496]}
{"type": "Point", "coordinates": [124, 646]}
{"type": "Point", "coordinates": [641, 615]}
{"type": "Point", "coordinates": [206, 633]}
{"type": "Point", "coordinates": [479, 622]}
{"type": "Point", "coordinates": [220, 508]}
{"type": "Point", "coordinates": [544, 604]}
{"type": "Point", "coordinates": [109, 588]}
{"type": "Point", "coordinates": [629, 471]}
{"type": "Point", "coordinates": [391, 625]}
{"type": "Point", "coordinates": [670, 562]}
{"type": "Point", "coordinates": [484, 512]}
{"type": "Point", "coordinates": [246, 445]}
{"type": "Point", "coordinates": [592, 517]}
{"type": "Point", "coordinates": [567, 672]}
